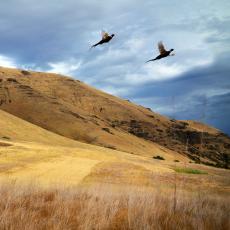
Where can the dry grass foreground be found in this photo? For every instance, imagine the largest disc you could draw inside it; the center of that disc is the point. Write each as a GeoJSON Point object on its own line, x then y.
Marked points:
{"type": "Point", "coordinates": [103, 207]}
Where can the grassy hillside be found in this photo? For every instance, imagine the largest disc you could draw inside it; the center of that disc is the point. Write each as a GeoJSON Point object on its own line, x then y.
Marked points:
{"type": "Point", "coordinates": [72, 109]}
{"type": "Point", "coordinates": [32, 154]}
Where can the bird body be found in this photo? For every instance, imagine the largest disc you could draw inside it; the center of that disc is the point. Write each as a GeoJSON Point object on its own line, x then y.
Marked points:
{"type": "Point", "coordinates": [163, 52]}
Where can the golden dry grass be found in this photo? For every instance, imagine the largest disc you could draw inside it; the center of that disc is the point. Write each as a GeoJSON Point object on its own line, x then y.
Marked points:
{"type": "Point", "coordinates": [69, 166]}
{"type": "Point", "coordinates": [49, 165]}
{"type": "Point", "coordinates": [15, 129]}
{"type": "Point", "coordinates": [105, 207]}
{"type": "Point", "coordinates": [30, 152]}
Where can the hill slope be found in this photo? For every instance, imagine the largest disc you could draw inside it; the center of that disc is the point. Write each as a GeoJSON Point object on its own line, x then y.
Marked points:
{"type": "Point", "coordinates": [71, 108]}
{"type": "Point", "coordinates": [30, 154]}
{"type": "Point", "coordinates": [34, 156]}
{"type": "Point", "coordinates": [15, 129]}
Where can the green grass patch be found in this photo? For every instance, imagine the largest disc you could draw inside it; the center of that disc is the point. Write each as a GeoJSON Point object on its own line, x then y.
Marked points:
{"type": "Point", "coordinates": [189, 171]}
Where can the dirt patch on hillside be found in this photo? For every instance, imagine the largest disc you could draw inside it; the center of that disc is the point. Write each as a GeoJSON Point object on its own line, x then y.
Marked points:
{"type": "Point", "coordinates": [2, 144]}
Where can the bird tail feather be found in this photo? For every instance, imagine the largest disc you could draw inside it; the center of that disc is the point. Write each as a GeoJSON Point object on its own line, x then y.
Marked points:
{"type": "Point", "coordinates": [151, 60]}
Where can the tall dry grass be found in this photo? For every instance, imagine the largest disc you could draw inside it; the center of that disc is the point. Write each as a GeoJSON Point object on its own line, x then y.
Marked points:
{"type": "Point", "coordinates": [104, 207]}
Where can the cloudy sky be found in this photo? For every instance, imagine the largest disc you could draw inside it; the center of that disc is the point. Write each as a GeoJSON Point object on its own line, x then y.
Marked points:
{"type": "Point", "coordinates": [55, 36]}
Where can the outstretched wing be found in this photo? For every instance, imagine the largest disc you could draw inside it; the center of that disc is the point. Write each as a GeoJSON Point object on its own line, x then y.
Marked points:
{"type": "Point", "coordinates": [161, 48]}
{"type": "Point", "coordinates": [104, 34]}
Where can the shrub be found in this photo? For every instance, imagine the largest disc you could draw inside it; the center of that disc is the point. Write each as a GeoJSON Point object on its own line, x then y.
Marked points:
{"type": "Point", "coordinates": [12, 80]}
{"type": "Point", "coordinates": [107, 130]}
{"type": "Point", "coordinates": [24, 72]}
{"type": "Point", "coordinates": [158, 157]}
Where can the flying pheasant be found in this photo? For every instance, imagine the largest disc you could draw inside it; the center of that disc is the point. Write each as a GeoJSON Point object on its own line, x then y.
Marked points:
{"type": "Point", "coordinates": [163, 52]}
{"type": "Point", "coordinates": [105, 38]}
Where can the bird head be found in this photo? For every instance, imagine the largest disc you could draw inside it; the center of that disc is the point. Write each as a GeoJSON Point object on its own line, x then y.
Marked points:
{"type": "Point", "coordinates": [112, 35]}
{"type": "Point", "coordinates": [172, 54]}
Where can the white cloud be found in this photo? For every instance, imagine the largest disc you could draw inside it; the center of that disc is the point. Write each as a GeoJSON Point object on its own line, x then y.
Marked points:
{"type": "Point", "coordinates": [65, 68]}
{"type": "Point", "coordinates": [121, 91]}
{"type": "Point", "coordinates": [7, 62]}
{"type": "Point", "coordinates": [155, 72]}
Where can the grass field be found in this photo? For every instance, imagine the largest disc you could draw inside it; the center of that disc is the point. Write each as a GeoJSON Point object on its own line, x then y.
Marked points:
{"type": "Point", "coordinates": [56, 187]}
{"type": "Point", "coordinates": [108, 207]}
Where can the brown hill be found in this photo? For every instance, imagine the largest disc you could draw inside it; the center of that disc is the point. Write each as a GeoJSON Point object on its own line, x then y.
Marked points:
{"type": "Point", "coordinates": [201, 127]}
{"type": "Point", "coordinates": [14, 129]}
{"type": "Point", "coordinates": [73, 109]}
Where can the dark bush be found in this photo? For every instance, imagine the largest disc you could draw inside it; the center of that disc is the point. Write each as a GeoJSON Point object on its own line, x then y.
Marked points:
{"type": "Point", "coordinates": [158, 157]}
{"type": "Point", "coordinates": [24, 72]}
{"type": "Point", "coordinates": [12, 80]}
{"type": "Point", "coordinates": [107, 130]}
{"type": "Point", "coordinates": [160, 130]}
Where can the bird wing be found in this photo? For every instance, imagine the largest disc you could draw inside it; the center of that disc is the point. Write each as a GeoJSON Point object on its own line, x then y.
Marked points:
{"type": "Point", "coordinates": [161, 48]}
{"type": "Point", "coordinates": [104, 34]}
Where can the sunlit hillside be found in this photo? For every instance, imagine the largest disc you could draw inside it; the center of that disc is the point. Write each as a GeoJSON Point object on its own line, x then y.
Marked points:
{"type": "Point", "coordinates": [75, 110]}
